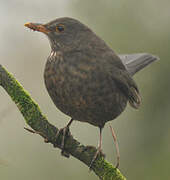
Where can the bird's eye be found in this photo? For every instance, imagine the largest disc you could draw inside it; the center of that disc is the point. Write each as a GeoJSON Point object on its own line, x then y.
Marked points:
{"type": "Point", "coordinates": [60, 28]}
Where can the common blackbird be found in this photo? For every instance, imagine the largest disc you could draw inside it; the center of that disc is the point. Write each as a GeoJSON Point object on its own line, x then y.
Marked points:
{"type": "Point", "coordinates": [84, 77]}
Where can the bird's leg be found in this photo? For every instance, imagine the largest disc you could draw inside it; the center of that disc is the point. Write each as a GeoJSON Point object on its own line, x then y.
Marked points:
{"type": "Point", "coordinates": [117, 146]}
{"type": "Point", "coordinates": [65, 130]}
{"type": "Point", "coordinates": [99, 149]}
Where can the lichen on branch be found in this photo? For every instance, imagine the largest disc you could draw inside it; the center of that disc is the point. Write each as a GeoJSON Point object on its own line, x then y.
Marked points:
{"type": "Point", "coordinates": [38, 122]}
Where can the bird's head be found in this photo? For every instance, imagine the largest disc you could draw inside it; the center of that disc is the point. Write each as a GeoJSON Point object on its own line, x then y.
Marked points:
{"type": "Point", "coordinates": [62, 32]}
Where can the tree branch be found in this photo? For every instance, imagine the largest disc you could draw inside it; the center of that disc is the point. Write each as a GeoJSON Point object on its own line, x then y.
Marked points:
{"type": "Point", "coordinates": [38, 122]}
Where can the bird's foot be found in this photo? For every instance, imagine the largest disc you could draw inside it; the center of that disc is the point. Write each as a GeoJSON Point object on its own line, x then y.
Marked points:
{"type": "Point", "coordinates": [65, 131]}
{"type": "Point", "coordinates": [98, 153]}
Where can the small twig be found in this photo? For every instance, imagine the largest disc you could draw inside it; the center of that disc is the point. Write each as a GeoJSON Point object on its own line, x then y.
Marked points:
{"type": "Point", "coordinates": [39, 133]}
{"type": "Point", "coordinates": [30, 130]}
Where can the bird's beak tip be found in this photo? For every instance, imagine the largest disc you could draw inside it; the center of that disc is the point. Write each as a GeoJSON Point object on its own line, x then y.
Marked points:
{"type": "Point", "coordinates": [27, 24]}
{"type": "Point", "coordinates": [37, 27]}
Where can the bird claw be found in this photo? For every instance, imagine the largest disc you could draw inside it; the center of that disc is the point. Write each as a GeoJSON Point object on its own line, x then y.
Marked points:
{"type": "Point", "coordinates": [98, 153]}
{"type": "Point", "coordinates": [65, 131]}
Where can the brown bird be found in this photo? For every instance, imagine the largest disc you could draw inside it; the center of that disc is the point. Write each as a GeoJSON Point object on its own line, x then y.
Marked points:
{"type": "Point", "coordinates": [84, 77]}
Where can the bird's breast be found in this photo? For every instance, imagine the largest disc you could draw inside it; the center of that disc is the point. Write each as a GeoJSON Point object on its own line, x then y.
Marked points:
{"type": "Point", "coordinates": [82, 91]}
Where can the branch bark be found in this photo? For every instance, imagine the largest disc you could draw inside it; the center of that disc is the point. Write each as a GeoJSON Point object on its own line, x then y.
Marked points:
{"type": "Point", "coordinates": [38, 122]}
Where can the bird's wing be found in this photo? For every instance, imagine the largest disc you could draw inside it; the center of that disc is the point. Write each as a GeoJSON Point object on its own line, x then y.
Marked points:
{"type": "Point", "coordinates": [128, 87]}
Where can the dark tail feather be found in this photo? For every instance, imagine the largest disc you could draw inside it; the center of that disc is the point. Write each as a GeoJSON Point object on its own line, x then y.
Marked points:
{"type": "Point", "coordinates": [136, 62]}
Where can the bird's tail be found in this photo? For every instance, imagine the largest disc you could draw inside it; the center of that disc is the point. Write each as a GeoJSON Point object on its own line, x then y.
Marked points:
{"type": "Point", "coordinates": [136, 62]}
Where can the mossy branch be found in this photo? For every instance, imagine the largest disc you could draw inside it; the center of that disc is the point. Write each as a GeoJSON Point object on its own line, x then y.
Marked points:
{"type": "Point", "coordinates": [38, 122]}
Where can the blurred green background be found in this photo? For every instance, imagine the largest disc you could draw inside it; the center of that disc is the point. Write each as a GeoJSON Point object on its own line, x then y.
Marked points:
{"type": "Point", "coordinates": [128, 26]}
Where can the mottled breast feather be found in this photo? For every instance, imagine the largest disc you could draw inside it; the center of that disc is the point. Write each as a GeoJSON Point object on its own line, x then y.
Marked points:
{"type": "Point", "coordinates": [83, 88]}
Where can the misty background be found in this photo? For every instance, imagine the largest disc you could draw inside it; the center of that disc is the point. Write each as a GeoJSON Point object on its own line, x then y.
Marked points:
{"type": "Point", "coordinates": [143, 135]}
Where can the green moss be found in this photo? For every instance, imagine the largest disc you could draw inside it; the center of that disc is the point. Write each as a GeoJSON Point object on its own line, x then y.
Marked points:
{"type": "Point", "coordinates": [106, 171]}
{"type": "Point", "coordinates": [37, 121]}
